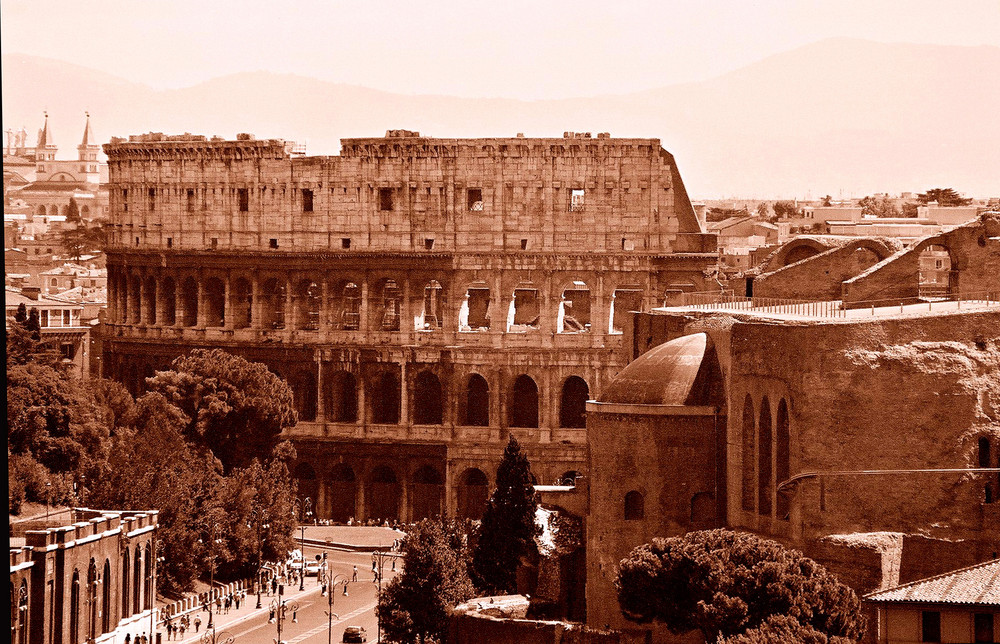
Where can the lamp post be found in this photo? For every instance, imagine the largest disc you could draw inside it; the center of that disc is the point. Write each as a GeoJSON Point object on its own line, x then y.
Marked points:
{"type": "Point", "coordinates": [259, 517]}
{"type": "Point", "coordinates": [331, 583]}
{"type": "Point", "coordinates": [212, 637]}
{"type": "Point", "coordinates": [278, 607]}
{"type": "Point", "coordinates": [379, 557]}
{"type": "Point", "coordinates": [211, 578]}
{"type": "Point", "coordinates": [304, 511]}
{"type": "Point", "coordinates": [157, 559]}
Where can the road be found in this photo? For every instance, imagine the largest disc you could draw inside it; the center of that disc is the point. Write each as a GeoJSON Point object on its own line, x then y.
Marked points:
{"type": "Point", "coordinates": [312, 626]}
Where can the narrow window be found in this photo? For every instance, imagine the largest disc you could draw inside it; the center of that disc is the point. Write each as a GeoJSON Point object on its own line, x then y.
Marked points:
{"type": "Point", "coordinates": [136, 241]}
{"type": "Point", "coordinates": [475, 199]}
{"type": "Point", "coordinates": [930, 626]}
{"type": "Point", "coordinates": [385, 199]}
{"type": "Point", "coordinates": [125, 199]}
{"type": "Point", "coordinates": [307, 200]}
{"type": "Point", "coordinates": [429, 244]}
{"type": "Point", "coordinates": [243, 195]}
{"type": "Point", "coordinates": [274, 243]}
{"type": "Point", "coordinates": [524, 244]}
{"type": "Point", "coordinates": [576, 201]}
{"type": "Point", "coordinates": [151, 194]}
{"type": "Point", "coordinates": [215, 243]}
{"type": "Point", "coordinates": [634, 506]}
{"type": "Point", "coordinates": [345, 242]}
{"type": "Point", "coordinates": [170, 242]}
{"type": "Point", "coordinates": [190, 200]}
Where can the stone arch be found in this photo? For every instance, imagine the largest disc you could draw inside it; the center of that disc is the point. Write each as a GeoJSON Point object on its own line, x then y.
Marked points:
{"type": "Point", "coordinates": [148, 578]}
{"type": "Point", "coordinates": [634, 506]}
{"type": "Point", "coordinates": [935, 270]}
{"type": "Point", "coordinates": [522, 410]}
{"type": "Point", "coordinates": [389, 305]}
{"type": "Point", "coordinates": [573, 315]}
{"type": "Point", "coordinates": [126, 577]}
{"type": "Point", "coordinates": [342, 397]}
{"type": "Point", "coordinates": [149, 300]}
{"type": "Point", "coordinates": [343, 492]}
{"type": "Point", "coordinates": [432, 316]}
{"type": "Point", "coordinates": [428, 399]}
{"type": "Point", "coordinates": [568, 478]}
{"type": "Point", "coordinates": [624, 299]}
{"type": "Point", "coordinates": [53, 210]}
{"type": "Point", "coordinates": [749, 456]}
{"type": "Point", "coordinates": [169, 297]}
{"type": "Point", "coordinates": [305, 476]}
{"type": "Point", "coordinates": [241, 298]}
{"type": "Point", "coordinates": [764, 451]}
{"type": "Point", "coordinates": [473, 492]}
{"type": "Point", "coordinates": [309, 298]}
{"type": "Point", "coordinates": [382, 494]}
{"type": "Point", "coordinates": [40, 210]}
{"type": "Point", "coordinates": [782, 459]}
{"type": "Point", "coordinates": [74, 608]}
{"type": "Point", "coordinates": [474, 313]}
{"type": "Point", "coordinates": [92, 605]}
{"type": "Point", "coordinates": [137, 581]}
{"type": "Point", "coordinates": [215, 302]}
{"type": "Point", "coordinates": [524, 310]}
{"type": "Point", "coordinates": [573, 403]}
{"type": "Point", "coordinates": [475, 404]}
{"type": "Point", "coordinates": [106, 598]}
{"type": "Point", "coordinates": [273, 296]}
{"type": "Point", "coordinates": [189, 298]}
{"type": "Point", "coordinates": [428, 493]}
{"type": "Point", "coordinates": [347, 305]}
{"type": "Point", "coordinates": [385, 399]}
{"type": "Point", "coordinates": [305, 394]}
{"type": "Point", "coordinates": [85, 212]}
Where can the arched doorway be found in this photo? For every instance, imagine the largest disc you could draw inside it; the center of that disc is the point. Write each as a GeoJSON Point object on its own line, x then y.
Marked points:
{"type": "Point", "coordinates": [386, 399]}
{"type": "Point", "coordinates": [342, 397]}
{"type": "Point", "coordinates": [382, 494]}
{"type": "Point", "coordinates": [428, 493]}
{"type": "Point", "coordinates": [523, 408]}
{"type": "Point", "coordinates": [476, 403]}
{"type": "Point", "coordinates": [428, 407]}
{"type": "Point", "coordinates": [343, 493]}
{"type": "Point", "coordinates": [935, 274]}
{"type": "Point", "coordinates": [473, 492]}
{"type": "Point", "coordinates": [573, 403]}
{"type": "Point", "coordinates": [305, 477]}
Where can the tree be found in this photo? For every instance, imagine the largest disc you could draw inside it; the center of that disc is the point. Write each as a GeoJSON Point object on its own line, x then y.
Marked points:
{"type": "Point", "coordinates": [827, 201]}
{"type": "Point", "coordinates": [878, 206]}
{"type": "Point", "coordinates": [235, 408]}
{"type": "Point", "coordinates": [80, 236]}
{"type": "Point", "coordinates": [414, 606]}
{"type": "Point", "coordinates": [784, 629]}
{"type": "Point", "coordinates": [508, 528]}
{"type": "Point", "coordinates": [943, 197]}
{"type": "Point", "coordinates": [725, 583]}
{"type": "Point", "coordinates": [785, 210]}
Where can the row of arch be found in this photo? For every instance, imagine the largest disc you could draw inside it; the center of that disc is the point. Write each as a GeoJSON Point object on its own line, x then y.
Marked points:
{"type": "Point", "coordinates": [269, 303]}
{"type": "Point", "coordinates": [766, 457]}
{"type": "Point", "coordinates": [341, 399]}
{"type": "Point", "coordinates": [54, 210]}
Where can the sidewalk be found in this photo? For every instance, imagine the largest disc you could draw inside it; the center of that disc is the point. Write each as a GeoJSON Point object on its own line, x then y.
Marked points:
{"type": "Point", "coordinates": [222, 620]}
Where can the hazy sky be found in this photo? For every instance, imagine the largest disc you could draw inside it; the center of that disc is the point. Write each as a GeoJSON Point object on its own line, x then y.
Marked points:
{"type": "Point", "coordinates": [510, 48]}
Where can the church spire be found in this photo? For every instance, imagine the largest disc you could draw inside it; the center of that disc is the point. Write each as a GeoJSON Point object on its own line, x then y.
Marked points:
{"type": "Point", "coordinates": [46, 148]}
{"type": "Point", "coordinates": [88, 147]}
{"type": "Point", "coordinates": [88, 135]}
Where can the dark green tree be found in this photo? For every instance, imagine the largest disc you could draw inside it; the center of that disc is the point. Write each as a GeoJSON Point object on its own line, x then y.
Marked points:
{"type": "Point", "coordinates": [235, 408]}
{"type": "Point", "coordinates": [943, 197]}
{"type": "Point", "coordinates": [785, 210]}
{"type": "Point", "coordinates": [34, 325]}
{"type": "Point", "coordinates": [784, 629]}
{"type": "Point", "coordinates": [21, 316]}
{"type": "Point", "coordinates": [827, 201]}
{"type": "Point", "coordinates": [508, 529]}
{"type": "Point", "coordinates": [724, 583]}
{"type": "Point", "coordinates": [879, 206]}
{"type": "Point", "coordinates": [414, 606]}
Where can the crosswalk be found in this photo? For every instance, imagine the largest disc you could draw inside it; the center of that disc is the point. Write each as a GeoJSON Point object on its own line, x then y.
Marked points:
{"type": "Point", "coordinates": [339, 620]}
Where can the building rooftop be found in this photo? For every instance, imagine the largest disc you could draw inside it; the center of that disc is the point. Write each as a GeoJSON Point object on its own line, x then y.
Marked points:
{"type": "Point", "coordinates": [978, 584]}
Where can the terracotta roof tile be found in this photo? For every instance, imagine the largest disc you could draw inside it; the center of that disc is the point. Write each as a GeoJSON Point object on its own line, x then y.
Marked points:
{"type": "Point", "coordinates": [978, 584]}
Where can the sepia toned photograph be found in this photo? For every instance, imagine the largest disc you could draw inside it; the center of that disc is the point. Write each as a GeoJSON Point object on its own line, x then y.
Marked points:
{"type": "Point", "coordinates": [487, 323]}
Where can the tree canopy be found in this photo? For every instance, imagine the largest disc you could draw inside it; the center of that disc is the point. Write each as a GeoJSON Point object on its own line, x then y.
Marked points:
{"type": "Point", "coordinates": [414, 606]}
{"type": "Point", "coordinates": [785, 210]}
{"type": "Point", "coordinates": [508, 528]}
{"type": "Point", "coordinates": [879, 206]}
{"type": "Point", "coordinates": [943, 197]}
{"type": "Point", "coordinates": [234, 407]}
{"type": "Point", "coordinates": [726, 583]}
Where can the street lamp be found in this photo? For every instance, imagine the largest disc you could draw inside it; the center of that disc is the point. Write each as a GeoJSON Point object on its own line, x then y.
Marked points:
{"type": "Point", "coordinates": [258, 517]}
{"type": "Point", "coordinates": [211, 579]}
{"type": "Point", "coordinates": [211, 637]}
{"type": "Point", "coordinates": [305, 510]}
{"type": "Point", "coordinates": [330, 584]}
{"type": "Point", "coordinates": [278, 608]}
{"type": "Point", "coordinates": [157, 559]}
{"type": "Point", "coordinates": [379, 557]}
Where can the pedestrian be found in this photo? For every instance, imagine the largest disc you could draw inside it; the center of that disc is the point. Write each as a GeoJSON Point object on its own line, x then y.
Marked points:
{"type": "Point", "coordinates": [128, 638]}
{"type": "Point", "coordinates": [183, 628]}
{"type": "Point", "coordinates": [354, 577]}
{"type": "Point", "coordinates": [197, 623]}
{"type": "Point", "coordinates": [237, 600]}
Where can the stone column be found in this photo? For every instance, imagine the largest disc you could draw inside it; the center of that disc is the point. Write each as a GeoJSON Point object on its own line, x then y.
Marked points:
{"type": "Point", "coordinates": [227, 310]}
{"type": "Point", "coordinates": [405, 312]}
{"type": "Point", "coordinates": [404, 396]}
{"type": "Point", "coordinates": [498, 305]}
{"type": "Point", "coordinates": [363, 322]}
{"type": "Point", "coordinates": [322, 508]}
{"type": "Point", "coordinates": [324, 306]}
{"type": "Point", "coordinates": [256, 308]}
{"type": "Point", "coordinates": [179, 309]}
{"type": "Point", "coordinates": [160, 303]}
{"type": "Point", "coordinates": [289, 306]}
{"type": "Point", "coordinates": [320, 395]}
{"type": "Point", "coordinates": [404, 497]}
{"type": "Point", "coordinates": [362, 418]}
{"type": "Point", "coordinates": [361, 476]}
{"type": "Point", "coordinates": [202, 303]}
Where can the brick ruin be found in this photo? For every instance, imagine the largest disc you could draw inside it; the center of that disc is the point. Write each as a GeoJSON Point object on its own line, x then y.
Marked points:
{"type": "Point", "coordinates": [423, 297]}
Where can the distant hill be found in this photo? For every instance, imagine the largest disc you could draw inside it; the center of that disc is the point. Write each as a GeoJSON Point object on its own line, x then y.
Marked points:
{"type": "Point", "coordinates": [838, 115]}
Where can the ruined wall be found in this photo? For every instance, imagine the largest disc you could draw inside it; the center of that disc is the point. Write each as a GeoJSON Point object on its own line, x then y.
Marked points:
{"type": "Point", "coordinates": [974, 250]}
{"type": "Point", "coordinates": [821, 276]}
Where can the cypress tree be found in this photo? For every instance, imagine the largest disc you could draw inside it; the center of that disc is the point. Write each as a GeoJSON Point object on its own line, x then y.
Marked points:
{"type": "Point", "coordinates": [508, 528]}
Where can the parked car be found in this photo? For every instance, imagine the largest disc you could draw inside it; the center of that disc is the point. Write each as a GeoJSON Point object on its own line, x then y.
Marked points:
{"type": "Point", "coordinates": [355, 634]}
{"type": "Point", "coordinates": [312, 568]}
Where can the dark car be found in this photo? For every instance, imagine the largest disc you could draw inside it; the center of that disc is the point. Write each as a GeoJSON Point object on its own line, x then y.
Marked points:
{"type": "Point", "coordinates": [355, 634]}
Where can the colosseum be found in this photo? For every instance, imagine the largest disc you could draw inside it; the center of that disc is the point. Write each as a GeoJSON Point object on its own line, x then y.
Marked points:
{"type": "Point", "coordinates": [424, 298]}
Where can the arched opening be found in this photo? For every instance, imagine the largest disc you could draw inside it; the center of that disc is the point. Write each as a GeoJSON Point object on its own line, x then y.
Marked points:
{"type": "Point", "coordinates": [304, 392]}
{"type": "Point", "coordinates": [189, 298]}
{"type": "Point", "coordinates": [749, 456]}
{"type": "Point", "coordinates": [799, 253]}
{"type": "Point", "coordinates": [428, 407]}
{"type": "Point", "coordinates": [242, 303]}
{"type": "Point", "coordinates": [476, 407]}
{"type": "Point", "coordinates": [474, 314]}
{"type": "Point", "coordinates": [568, 478]}
{"type": "Point", "coordinates": [386, 399]}
{"type": "Point", "coordinates": [148, 578]}
{"type": "Point", "coordinates": [137, 582]}
{"type": "Point", "coordinates": [106, 597]}
{"type": "Point", "coordinates": [574, 309]}
{"type": "Point", "coordinates": [623, 302]}
{"type": "Point", "coordinates": [524, 311]}
{"type": "Point", "coordinates": [348, 306]}
{"type": "Point", "coordinates": [382, 494]}
{"type": "Point", "coordinates": [273, 301]}
{"type": "Point", "coordinates": [523, 408]}
{"type": "Point", "coordinates": [764, 459]}
{"type": "Point", "coordinates": [40, 210]}
{"type": "Point", "coordinates": [390, 306]}
{"type": "Point", "coordinates": [342, 397]}
{"type": "Point", "coordinates": [215, 302]}
{"type": "Point", "coordinates": [134, 300]}
{"type": "Point", "coordinates": [428, 493]}
{"type": "Point", "coordinates": [169, 302]}
{"type": "Point", "coordinates": [473, 492]}
{"type": "Point", "coordinates": [305, 478]}
{"type": "Point", "coordinates": [573, 403]}
{"type": "Point", "coordinates": [343, 492]}
{"type": "Point", "coordinates": [782, 459]}
{"type": "Point", "coordinates": [635, 506]}
{"type": "Point", "coordinates": [92, 600]}
{"type": "Point", "coordinates": [308, 296]}
{"type": "Point", "coordinates": [22, 613]}
{"type": "Point", "coordinates": [432, 314]}
{"type": "Point", "coordinates": [126, 576]}
{"type": "Point", "coordinates": [85, 212]}
{"type": "Point", "coordinates": [53, 210]}
{"type": "Point", "coordinates": [149, 301]}
{"type": "Point", "coordinates": [935, 272]}
{"type": "Point", "coordinates": [74, 608]}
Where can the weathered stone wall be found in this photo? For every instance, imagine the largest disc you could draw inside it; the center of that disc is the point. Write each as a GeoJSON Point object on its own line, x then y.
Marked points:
{"type": "Point", "coordinates": [821, 276]}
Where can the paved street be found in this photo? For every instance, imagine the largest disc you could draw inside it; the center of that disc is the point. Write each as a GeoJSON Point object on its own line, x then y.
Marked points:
{"type": "Point", "coordinates": [251, 626]}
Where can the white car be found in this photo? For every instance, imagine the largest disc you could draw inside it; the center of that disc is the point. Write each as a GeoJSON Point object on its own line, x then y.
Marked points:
{"type": "Point", "coordinates": [312, 568]}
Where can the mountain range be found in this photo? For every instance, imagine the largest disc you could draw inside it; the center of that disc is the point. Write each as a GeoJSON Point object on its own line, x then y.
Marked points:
{"type": "Point", "coordinates": [840, 116]}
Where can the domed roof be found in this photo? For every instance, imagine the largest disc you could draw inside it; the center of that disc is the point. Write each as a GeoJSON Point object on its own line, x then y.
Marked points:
{"type": "Point", "coordinates": [683, 371]}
